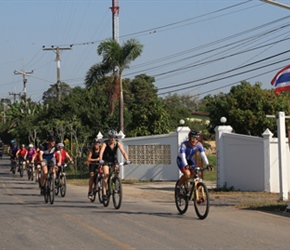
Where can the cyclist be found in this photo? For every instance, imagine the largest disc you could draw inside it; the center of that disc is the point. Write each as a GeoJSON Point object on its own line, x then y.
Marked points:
{"type": "Point", "coordinates": [108, 154]}
{"type": "Point", "coordinates": [93, 157]}
{"type": "Point", "coordinates": [47, 158]}
{"type": "Point", "coordinates": [12, 150]}
{"type": "Point", "coordinates": [30, 152]}
{"type": "Point", "coordinates": [64, 154]}
{"type": "Point", "coordinates": [186, 153]}
{"type": "Point", "coordinates": [21, 155]}
{"type": "Point", "coordinates": [36, 161]}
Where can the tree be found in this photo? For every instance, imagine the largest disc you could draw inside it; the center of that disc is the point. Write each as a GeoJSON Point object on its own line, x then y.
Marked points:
{"type": "Point", "coordinates": [246, 107]}
{"type": "Point", "coordinates": [51, 94]}
{"type": "Point", "coordinates": [147, 114]}
{"type": "Point", "coordinates": [116, 58]}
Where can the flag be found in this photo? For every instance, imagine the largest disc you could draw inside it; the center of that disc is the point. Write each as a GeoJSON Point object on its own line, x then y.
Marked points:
{"type": "Point", "coordinates": [281, 80]}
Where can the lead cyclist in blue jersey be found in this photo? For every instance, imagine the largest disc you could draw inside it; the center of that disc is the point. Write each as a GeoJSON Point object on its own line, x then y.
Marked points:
{"type": "Point", "coordinates": [186, 153]}
{"type": "Point", "coordinates": [47, 158]}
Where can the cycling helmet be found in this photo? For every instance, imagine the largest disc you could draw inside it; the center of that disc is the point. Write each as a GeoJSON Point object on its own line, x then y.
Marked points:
{"type": "Point", "coordinates": [112, 133]}
{"type": "Point", "coordinates": [50, 138]}
{"type": "Point", "coordinates": [96, 140]}
{"type": "Point", "coordinates": [12, 141]}
{"type": "Point", "coordinates": [60, 144]}
{"type": "Point", "coordinates": [193, 133]}
{"type": "Point", "coordinates": [30, 146]}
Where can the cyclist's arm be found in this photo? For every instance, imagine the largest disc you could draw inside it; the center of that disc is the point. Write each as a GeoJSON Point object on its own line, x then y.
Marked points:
{"type": "Point", "coordinates": [59, 158]}
{"type": "Point", "coordinates": [204, 158]}
{"type": "Point", "coordinates": [68, 156]}
{"type": "Point", "coordinates": [102, 151]}
{"type": "Point", "coordinates": [124, 153]}
{"type": "Point", "coordinates": [182, 155]}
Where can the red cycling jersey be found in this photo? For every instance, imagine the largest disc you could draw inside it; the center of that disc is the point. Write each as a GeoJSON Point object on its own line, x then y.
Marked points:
{"type": "Point", "coordinates": [22, 152]}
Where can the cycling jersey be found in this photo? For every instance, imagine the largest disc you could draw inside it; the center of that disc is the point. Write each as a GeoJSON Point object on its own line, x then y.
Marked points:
{"type": "Point", "coordinates": [187, 152]}
{"type": "Point", "coordinates": [110, 155]}
{"type": "Point", "coordinates": [13, 150]}
{"type": "Point", "coordinates": [30, 153]}
{"type": "Point", "coordinates": [48, 154]}
{"type": "Point", "coordinates": [63, 156]}
{"type": "Point", "coordinates": [22, 152]}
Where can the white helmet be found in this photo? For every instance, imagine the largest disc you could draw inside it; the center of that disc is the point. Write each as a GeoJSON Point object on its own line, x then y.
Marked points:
{"type": "Point", "coordinates": [30, 146]}
{"type": "Point", "coordinates": [60, 144]}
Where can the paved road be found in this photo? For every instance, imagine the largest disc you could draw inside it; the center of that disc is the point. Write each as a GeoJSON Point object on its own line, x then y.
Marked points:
{"type": "Point", "coordinates": [73, 222]}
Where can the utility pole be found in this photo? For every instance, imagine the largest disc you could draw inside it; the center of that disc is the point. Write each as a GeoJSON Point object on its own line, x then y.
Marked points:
{"type": "Point", "coordinates": [57, 51]}
{"type": "Point", "coordinates": [24, 74]}
{"type": "Point", "coordinates": [117, 76]}
{"type": "Point", "coordinates": [115, 19]}
{"type": "Point", "coordinates": [14, 95]}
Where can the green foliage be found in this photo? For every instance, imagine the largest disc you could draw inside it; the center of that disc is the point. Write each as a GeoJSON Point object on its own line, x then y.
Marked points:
{"type": "Point", "coordinates": [245, 108]}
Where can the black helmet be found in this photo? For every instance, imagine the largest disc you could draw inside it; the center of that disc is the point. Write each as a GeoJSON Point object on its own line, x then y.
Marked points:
{"type": "Point", "coordinates": [96, 140]}
{"type": "Point", "coordinates": [193, 133]}
{"type": "Point", "coordinates": [50, 138]}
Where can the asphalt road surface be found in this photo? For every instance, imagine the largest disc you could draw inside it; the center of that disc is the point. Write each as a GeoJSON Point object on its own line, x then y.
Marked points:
{"type": "Point", "coordinates": [142, 222]}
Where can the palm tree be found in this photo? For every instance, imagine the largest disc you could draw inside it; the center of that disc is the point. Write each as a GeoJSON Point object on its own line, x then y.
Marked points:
{"type": "Point", "coordinates": [116, 58]}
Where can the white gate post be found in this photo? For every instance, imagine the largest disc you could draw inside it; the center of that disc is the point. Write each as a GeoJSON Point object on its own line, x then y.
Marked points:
{"type": "Point", "coordinates": [220, 152]}
{"type": "Point", "coordinates": [267, 136]}
{"type": "Point", "coordinates": [282, 157]}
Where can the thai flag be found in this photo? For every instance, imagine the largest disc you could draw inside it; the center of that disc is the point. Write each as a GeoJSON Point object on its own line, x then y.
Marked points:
{"type": "Point", "coordinates": [281, 80]}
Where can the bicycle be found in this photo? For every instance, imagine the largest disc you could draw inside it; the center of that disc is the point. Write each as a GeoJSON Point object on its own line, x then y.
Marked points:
{"type": "Point", "coordinates": [30, 171]}
{"type": "Point", "coordinates": [13, 164]}
{"type": "Point", "coordinates": [39, 174]}
{"type": "Point", "coordinates": [49, 188]}
{"type": "Point", "coordinates": [114, 186]}
{"type": "Point", "coordinates": [193, 190]}
{"type": "Point", "coordinates": [21, 166]}
{"type": "Point", "coordinates": [60, 181]}
{"type": "Point", "coordinates": [97, 184]}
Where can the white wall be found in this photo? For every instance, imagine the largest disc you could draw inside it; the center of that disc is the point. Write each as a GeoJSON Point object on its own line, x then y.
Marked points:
{"type": "Point", "coordinates": [249, 163]}
{"type": "Point", "coordinates": [154, 171]}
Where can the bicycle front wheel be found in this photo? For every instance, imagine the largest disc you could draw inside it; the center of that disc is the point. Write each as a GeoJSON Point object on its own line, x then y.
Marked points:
{"type": "Point", "coordinates": [181, 198]}
{"type": "Point", "coordinates": [51, 189]}
{"type": "Point", "coordinates": [62, 185]}
{"type": "Point", "coordinates": [46, 191]}
{"type": "Point", "coordinates": [117, 192]}
{"type": "Point", "coordinates": [100, 190]}
{"type": "Point", "coordinates": [201, 200]}
{"type": "Point", "coordinates": [21, 171]}
{"type": "Point", "coordinates": [106, 201]}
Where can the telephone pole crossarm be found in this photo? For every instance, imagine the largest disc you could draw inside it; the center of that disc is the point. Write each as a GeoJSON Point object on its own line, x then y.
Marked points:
{"type": "Point", "coordinates": [57, 51]}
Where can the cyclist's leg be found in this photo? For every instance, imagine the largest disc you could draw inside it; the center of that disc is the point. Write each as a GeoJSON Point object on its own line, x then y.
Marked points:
{"type": "Point", "coordinates": [184, 177]}
{"type": "Point", "coordinates": [92, 169]}
{"type": "Point", "coordinates": [44, 173]}
{"type": "Point", "coordinates": [105, 179]}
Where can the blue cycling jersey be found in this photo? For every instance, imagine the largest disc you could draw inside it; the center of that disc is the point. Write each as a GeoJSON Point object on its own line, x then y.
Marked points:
{"type": "Point", "coordinates": [187, 152]}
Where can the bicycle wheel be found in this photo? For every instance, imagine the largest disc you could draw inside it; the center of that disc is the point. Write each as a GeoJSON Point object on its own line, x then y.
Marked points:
{"type": "Point", "coordinates": [13, 167]}
{"type": "Point", "coordinates": [56, 187]}
{"type": "Point", "coordinates": [46, 191]}
{"type": "Point", "coordinates": [106, 201]}
{"type": "Point", "coordinates": [62, 185]}
{"type": "Point", "coordinates": [39, 179]}
{"type": "Point", "coordinates": [181, 199]}
{"type": "Point", "coordinates": [51, 189]}
{"type": "Point", "coordinates": [28, 173]}
{"type": "Point", "coordinates": [201, 200]}
{"type": "Point", "coordinates": [100, 190]}
{"type": "Point", "coordinates": [21, 170]}
{"type": "Point", "coordinates": [117, 192]}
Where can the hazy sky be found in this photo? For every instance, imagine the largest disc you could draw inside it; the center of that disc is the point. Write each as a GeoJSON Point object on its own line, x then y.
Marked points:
{"type": "Point", "coordinates": [194, 47]}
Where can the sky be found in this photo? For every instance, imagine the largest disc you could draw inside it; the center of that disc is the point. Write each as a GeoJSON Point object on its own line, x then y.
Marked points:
{"type": "Point", "coordinates": [191, 47]}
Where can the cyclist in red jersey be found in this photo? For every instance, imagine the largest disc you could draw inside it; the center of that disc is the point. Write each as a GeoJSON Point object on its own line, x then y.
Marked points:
{"type": "Point", "coordinates": [37, 162]}
{"type": "Point", "coordinates": [64, 154]}
{"type": "Point", "coordinates": [22, 153]}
